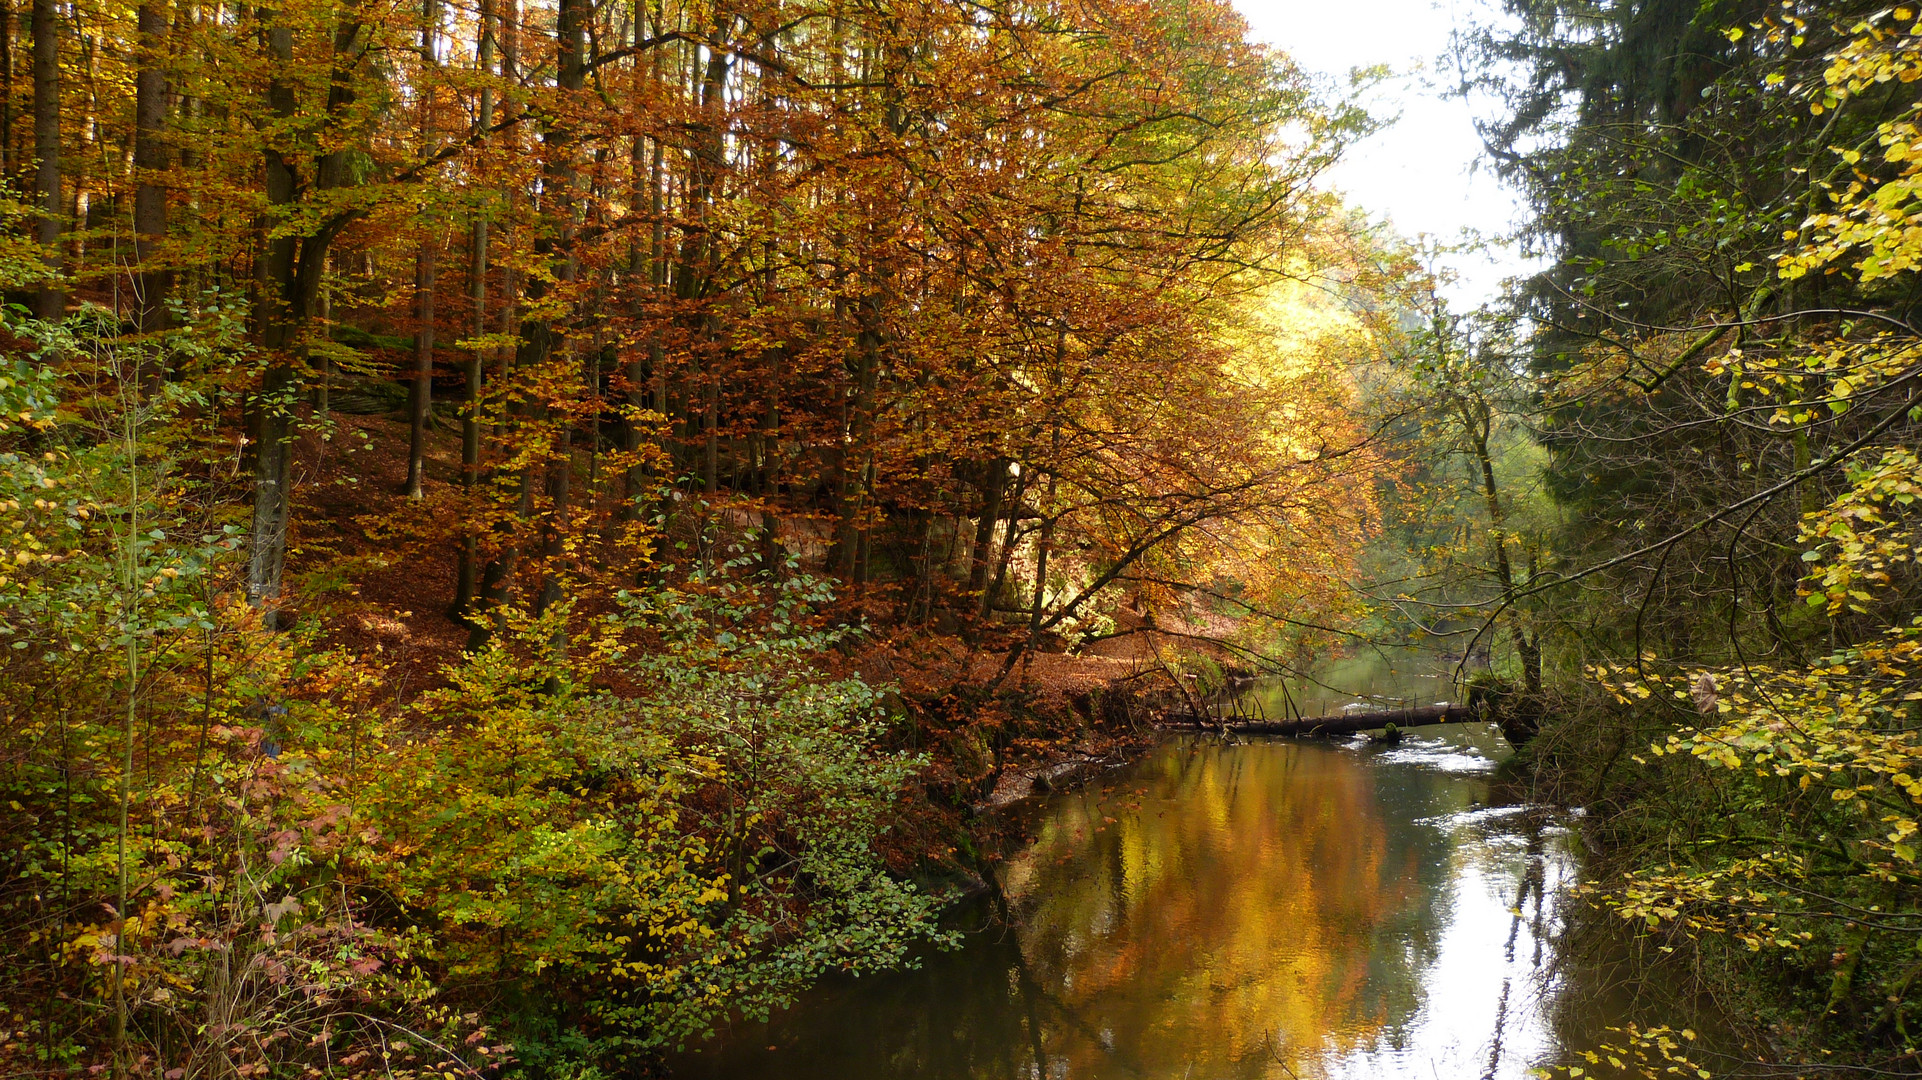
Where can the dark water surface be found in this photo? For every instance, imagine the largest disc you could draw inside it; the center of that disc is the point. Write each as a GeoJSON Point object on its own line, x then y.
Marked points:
{"type": "Point", "coordinates": [1264, 909]}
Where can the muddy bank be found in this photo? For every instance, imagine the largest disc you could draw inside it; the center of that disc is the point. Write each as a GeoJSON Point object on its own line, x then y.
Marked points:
{"type": "Point", "coordinates": [995, 736]}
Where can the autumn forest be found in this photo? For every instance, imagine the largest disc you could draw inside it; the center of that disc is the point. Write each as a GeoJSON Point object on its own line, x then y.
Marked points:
{"type": "Point", "coordinates": [531, 530]}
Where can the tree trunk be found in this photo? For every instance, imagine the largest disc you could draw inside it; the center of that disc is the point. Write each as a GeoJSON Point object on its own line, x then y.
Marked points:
{"type": "Point", "coordinates": [538, 337]}
{"type": "Point", "coordinates": [993, 486]}
{"type": "Point", "coordinates": [149, 159]}
{"type": "Point", "coordinates": [50, 302]}
{"type": "Point", "coordinates": [1013, 515]}
{"type": "Point", "coordinates": [851, 494]}
{"type": "Point", "coordinates": [271, 415]}
{"type": "Point", "coordinates": [697, 253]}
{"type": "Point", "coordinates": [560, 476]}
{"type": "Point", "coordinates": [288, 278]}
{"type": "Point", "coordinates": [466, 573]}
{"type": "Point", "coordinates": [711, 426]}
{"type": "Point", "coordinates": [8, 159]}
{"type": "Point", "coordinates": [638, 372]}
{"type": "Point", "coordinates": [421, 400]}
{"type": "Point", "coordinates": [1044, 545]}
{"type": "Point", "coordinates": [323, 394]}
{"type": "Point", "coordinates": [1477, 420]}
{"type": "Point", "coordinates": [1529, 647]}
{"type": "Point", "coordinates": [646, 376]}
{"type": "Point", "coordinates": [1339, 723]}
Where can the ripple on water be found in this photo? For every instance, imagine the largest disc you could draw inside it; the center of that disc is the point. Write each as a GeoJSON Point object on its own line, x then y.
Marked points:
{"type": "Point", "coordinates": [1481, 816]}
{"type": "Point", "coordinates": [1440, 755]}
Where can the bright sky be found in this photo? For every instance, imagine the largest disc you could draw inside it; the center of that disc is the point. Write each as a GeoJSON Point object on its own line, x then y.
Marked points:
{"type": "Point", "coordinates": [1420, 173]}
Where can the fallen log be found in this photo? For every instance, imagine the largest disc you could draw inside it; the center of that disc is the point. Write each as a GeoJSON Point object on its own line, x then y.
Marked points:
{"type": "Point", "coordinates": [1347, 723]}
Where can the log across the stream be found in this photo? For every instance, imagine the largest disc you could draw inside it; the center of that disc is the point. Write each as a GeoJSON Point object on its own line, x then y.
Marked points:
{"type": "Point", "coordinates": [1346, 723]}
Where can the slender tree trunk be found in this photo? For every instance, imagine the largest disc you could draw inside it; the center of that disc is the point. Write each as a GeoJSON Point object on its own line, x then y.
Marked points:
{"type": "Point", "coordinates": [560, 475]}
{"type": "Point", "coordinates": [9, 158]}
{"type": "Point", "coordinates": [845, 559]}
{"type": "Point", "coordinates": [324, 393]}
{"type": "Point", "coordinates": [700, 440]}
{"type": "Point", "coordinates": [1529, 645]}
{"type": "Point", "coordinates": [273, 475]}
{"type": "Point", "coordinates": [1477, 420]}
{"type": "Point", "coordinates": [497, 576]}
{"type": "Point", "coordinates": [149, 159]}
{"type": "Point", "coordinates": [50, 302]}
{"type": "Point", "coordinates": [539, 339]}
{"type": "Point", "coordinates": [634, 480]}
{"type": "Point", "coordinates": [649, 377]}
{"type": "Point", "coordinates": [1043, 548]}
{"type": "Point", "coordinates": [130, 591]}
{"type": "Point", "coordinates": [854, 481]}
{"type": "Point", "coordinates": [711, 425]}
{"type": "Point", "coordinates": [771, 551]}
{"type": "Point", "coordinates": [1809, 494]}
{"type": "Point", "coordinates": [772, 360]}
{"type": "Point", "coordinates": [271, 420]}
{"type": "Point", "coordinates": [657, 197]}
{"type": "Point", "coordinates": [465, 582]}
{"type": "Point", "coordinates": [421, 401]}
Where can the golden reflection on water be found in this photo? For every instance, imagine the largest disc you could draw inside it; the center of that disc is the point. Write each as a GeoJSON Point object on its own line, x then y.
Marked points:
{"type": "Point", "coordinates": [1273, 909]}
{"type": "Point", "coordinates": [1265, 911]}
{"type": "Point", "coordinates": [1232, 914]}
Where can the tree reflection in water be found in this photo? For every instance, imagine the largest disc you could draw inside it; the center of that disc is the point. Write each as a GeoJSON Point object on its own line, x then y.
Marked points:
{"type": "Point", "coordinates": [1269, 909]}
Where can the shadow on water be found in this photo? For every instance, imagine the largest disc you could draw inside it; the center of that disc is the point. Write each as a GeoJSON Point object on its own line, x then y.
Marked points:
{"type": "Point", "coordinates": [1274, 909]}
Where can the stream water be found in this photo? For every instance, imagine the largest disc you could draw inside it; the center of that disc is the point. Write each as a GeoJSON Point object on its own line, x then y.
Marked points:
{"type": "Point", "coordinates": [1277, 909]}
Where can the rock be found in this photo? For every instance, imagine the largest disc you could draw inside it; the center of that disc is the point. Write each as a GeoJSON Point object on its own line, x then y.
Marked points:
{"type": "Point", "coordinates": [1013, 786]}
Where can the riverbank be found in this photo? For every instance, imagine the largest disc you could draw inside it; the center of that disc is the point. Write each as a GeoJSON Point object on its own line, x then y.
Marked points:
{"type": "Point", "coordinates": [992, 735]}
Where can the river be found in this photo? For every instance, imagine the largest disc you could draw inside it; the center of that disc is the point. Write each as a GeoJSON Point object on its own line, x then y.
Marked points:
{"type": "Point", "coordinates": [1228, 909]}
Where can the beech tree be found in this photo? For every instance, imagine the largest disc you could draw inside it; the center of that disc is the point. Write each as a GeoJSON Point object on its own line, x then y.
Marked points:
{"type": "Point", "coordinates": [700, 269]}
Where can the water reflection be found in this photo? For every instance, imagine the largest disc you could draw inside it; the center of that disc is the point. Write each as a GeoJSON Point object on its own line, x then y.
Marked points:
{"type": "Point", "coordinates": [1270, 909]}
{"type": "Point", "coordinates": [1377, 677]}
